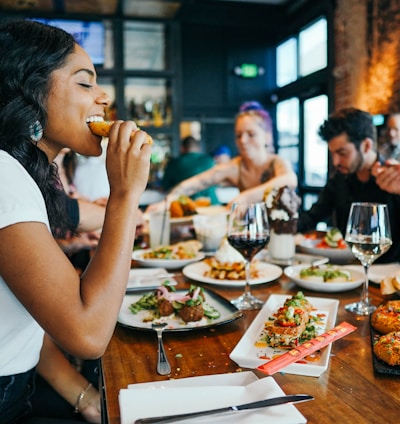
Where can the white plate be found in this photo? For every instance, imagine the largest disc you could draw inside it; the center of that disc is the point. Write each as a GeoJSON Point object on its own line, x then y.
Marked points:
{"type": "Point", "coordinates": [228, 313]}
{"type": "Point", "coordinates": [137, 255]}
{"type": "Point", "coordinates": [246, 354]}
{"type": "Point", "coordinates": [212, 391]}
{"type": "Point", "coordinates": [357, 278]}
{"type": "Point", "coordinates": [182, 220]}
{"type": "Point", "coordinates": [267, 272]}
{"type": "Point", "coordinates": [339, 256]}
{"type": "Point", "coordinates": [212, 210]}
{"type": "Point", "coordinates": [298, 258]}
{"type": "Point", "coordinates": [202, 210]}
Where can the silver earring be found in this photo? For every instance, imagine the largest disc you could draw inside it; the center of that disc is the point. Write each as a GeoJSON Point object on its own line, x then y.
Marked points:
{"type": "Point", "coordinates": [36, 131]}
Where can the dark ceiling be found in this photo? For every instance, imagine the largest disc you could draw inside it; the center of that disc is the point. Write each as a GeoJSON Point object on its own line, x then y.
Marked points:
{"type": "Point", "coordinates": [164, 9]}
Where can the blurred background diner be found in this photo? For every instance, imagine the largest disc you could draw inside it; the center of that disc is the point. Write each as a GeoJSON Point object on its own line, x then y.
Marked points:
{"type": "Point", "coordinates": [256, 171]}
{"type": "Point", "coordinates": [351, 138]}
{"type": "Point", "coordinates": [190, 162]}
{"type": "Point", "coordinates": [389, 142]}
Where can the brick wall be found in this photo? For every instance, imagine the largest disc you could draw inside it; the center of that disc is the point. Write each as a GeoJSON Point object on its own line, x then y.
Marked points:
{"type": "Point", "coordinates": [367, 55]}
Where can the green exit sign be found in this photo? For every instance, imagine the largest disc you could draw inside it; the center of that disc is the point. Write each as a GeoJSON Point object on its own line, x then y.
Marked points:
{"type": "Point", "coordinates": [248, 70]}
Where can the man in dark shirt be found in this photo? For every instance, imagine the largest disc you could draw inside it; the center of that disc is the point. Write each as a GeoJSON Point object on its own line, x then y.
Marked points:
{"type": "Point", "coordinates": [351, 138]}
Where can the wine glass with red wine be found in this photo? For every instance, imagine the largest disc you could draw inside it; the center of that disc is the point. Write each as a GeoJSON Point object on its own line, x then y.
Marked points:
{"type": "Point", "coordinates": [248, 233]}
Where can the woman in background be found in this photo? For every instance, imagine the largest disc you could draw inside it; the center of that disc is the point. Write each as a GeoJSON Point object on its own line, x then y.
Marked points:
{"type": "Point", "coordinates": [256, 171]}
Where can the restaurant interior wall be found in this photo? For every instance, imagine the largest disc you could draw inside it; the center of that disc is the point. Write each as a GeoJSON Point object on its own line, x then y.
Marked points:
{"type": "Point", "coordinates": [211, 91]}
{"type": "Point", "coordinates": [208, 42]}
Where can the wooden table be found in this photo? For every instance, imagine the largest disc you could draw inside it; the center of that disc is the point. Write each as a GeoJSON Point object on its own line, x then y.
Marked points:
{"type": "Point", "coordinates": [348, 392]}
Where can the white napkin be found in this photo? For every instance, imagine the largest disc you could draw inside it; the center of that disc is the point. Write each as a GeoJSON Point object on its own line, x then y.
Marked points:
{"type": "Point", "coordinates": [378, 272]}
{"type": "Point", "coordinates": [166, 398]}
{"type": "Point", "coordinates": [140, 278]}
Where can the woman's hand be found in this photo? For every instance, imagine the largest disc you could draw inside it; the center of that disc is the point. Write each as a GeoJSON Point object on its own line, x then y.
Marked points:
{"type": "Point", "coordinates": [91, 409]}
{"type": "Point", "coordinates": [128, 159]}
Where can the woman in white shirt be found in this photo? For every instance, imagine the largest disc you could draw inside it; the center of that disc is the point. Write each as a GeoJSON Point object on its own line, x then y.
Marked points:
{"type": "Point", "coordinates": [48, 93]}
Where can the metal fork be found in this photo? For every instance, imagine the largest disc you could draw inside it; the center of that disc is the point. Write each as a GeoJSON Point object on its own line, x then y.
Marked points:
{"type": "Point", "coordinates": [163, 366]}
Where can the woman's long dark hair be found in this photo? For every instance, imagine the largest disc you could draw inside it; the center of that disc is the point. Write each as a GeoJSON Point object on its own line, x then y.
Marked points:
{"type": "Point", "coordinates": [29, 53]}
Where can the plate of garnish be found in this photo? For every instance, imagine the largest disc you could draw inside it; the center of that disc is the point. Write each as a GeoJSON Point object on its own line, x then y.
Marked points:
{"type": "Point", "coordinates": [170, 257]}
{"type": "Point", "coordinates": [285, 322]}
{"type": "Point", "coordinates": [331, 245]}
{"type": "Point", "coordinates": [182, 310]}
{"type": "Point", "coordinates": [325, 278]}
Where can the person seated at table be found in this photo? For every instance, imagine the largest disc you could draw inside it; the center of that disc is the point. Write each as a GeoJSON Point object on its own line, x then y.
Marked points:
{"type": "Point", "coordinates": [351, 138]}
{"type": "Point", "coordinates": [255, 171]}
{"type": "Point", "coordinates": [190, 162]}
{"type": "Point", "coordinates": [389, 144]}
{"type": "Point", "coordinates": [222, 154]}
{"type": "Point", "coordinates": [48, 93]}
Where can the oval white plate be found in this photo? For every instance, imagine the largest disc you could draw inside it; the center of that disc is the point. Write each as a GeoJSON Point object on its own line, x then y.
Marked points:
{"type": "Point", "coordinates": [339, 256]}
{"type": "Point", "coordinates": [196, 271]}
{"type": "Point", "coordinates": [293, 272]}
{"type": "Point", "coordinates": [137, 255]}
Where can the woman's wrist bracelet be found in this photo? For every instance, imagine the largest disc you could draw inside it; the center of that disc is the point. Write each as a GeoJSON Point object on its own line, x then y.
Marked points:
{"type": "Point", "coordinates": [80, 397]}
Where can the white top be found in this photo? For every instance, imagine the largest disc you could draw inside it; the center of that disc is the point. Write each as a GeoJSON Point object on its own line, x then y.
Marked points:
{"type": "Point", "coordinates": [91, 180]}
{"type": "Point", "coordinates": [21, 337]}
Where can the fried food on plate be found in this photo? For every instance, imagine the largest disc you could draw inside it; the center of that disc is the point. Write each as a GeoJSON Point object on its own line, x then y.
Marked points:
{"type": "Point", "coordinates": [183, 206]}
{"type": "Point", "coordinates": [290, 323]}
{"type": "Point", "coordinates": [386, 317]}
{"type": "Point", "coordinates": [387, 348]}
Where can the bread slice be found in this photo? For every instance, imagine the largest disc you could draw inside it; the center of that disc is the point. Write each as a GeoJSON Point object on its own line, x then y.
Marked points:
{"type": "Point", "coordinates": [102, 129]}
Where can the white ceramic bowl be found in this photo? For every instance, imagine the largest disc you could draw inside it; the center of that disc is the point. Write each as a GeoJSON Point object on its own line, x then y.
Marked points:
{"type": "Point", "coordinates": [293, 272]}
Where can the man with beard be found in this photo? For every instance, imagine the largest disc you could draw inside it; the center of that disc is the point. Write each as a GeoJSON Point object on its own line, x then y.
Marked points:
{"type": "Point", "coordinates": [351, 138]}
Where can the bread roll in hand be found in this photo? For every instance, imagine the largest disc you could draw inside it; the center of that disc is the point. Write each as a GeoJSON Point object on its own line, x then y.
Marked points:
{"type": "Point", "coordinates": [102, 129]}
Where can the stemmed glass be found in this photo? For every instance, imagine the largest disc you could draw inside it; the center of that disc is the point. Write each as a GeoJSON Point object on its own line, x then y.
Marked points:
{"type": "Point", "coordinates": [368, 236]}
{"type": "Point", "coordinates": [248, 233]}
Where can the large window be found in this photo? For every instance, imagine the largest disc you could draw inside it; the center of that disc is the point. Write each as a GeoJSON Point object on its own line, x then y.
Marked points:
{"type": "Point", "coordinates": [287, 121]}
{"type": "Point", "coordinates": [315, 113]}
{"type": "Point", "coordinates": [302, 54]}
{"type": "Point", "coordinates": [286, 59]}
{"type": "Point", "coordinates": [313, 48]}
{"type": "Point", "coordinates": [303, 106]}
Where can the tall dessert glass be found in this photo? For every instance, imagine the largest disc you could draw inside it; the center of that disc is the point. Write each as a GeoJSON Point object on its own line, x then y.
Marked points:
{"type": "Point", "coordinates": [248, 233]}
{"type": "Point", "coordinates": [368, 236]}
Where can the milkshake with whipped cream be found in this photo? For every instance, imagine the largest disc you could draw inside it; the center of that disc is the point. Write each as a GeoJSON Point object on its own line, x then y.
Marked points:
{"type": "Point", "coordinates": [283, 204]}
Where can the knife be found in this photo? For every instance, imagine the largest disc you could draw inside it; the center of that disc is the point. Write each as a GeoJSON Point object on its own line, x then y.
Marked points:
{"type": "Point", "coordinates": [259, 404]}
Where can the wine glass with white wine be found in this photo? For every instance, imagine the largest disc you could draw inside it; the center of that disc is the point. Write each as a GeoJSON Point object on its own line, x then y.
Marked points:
{"type": "Point", "coordinates": [368, 236]}
{"type": "Point", "coordinates": [248, 233]}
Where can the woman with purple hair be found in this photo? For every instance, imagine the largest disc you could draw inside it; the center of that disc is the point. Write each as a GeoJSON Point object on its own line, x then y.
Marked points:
{"type": "Point", "coordinates": [257, 169]}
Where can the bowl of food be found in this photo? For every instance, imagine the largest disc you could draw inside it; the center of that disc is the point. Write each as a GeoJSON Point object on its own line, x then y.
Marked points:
{"type": "Point", "coordinates": [330, 244]}
{"type": "Point", "coordinates": [325, 278]}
